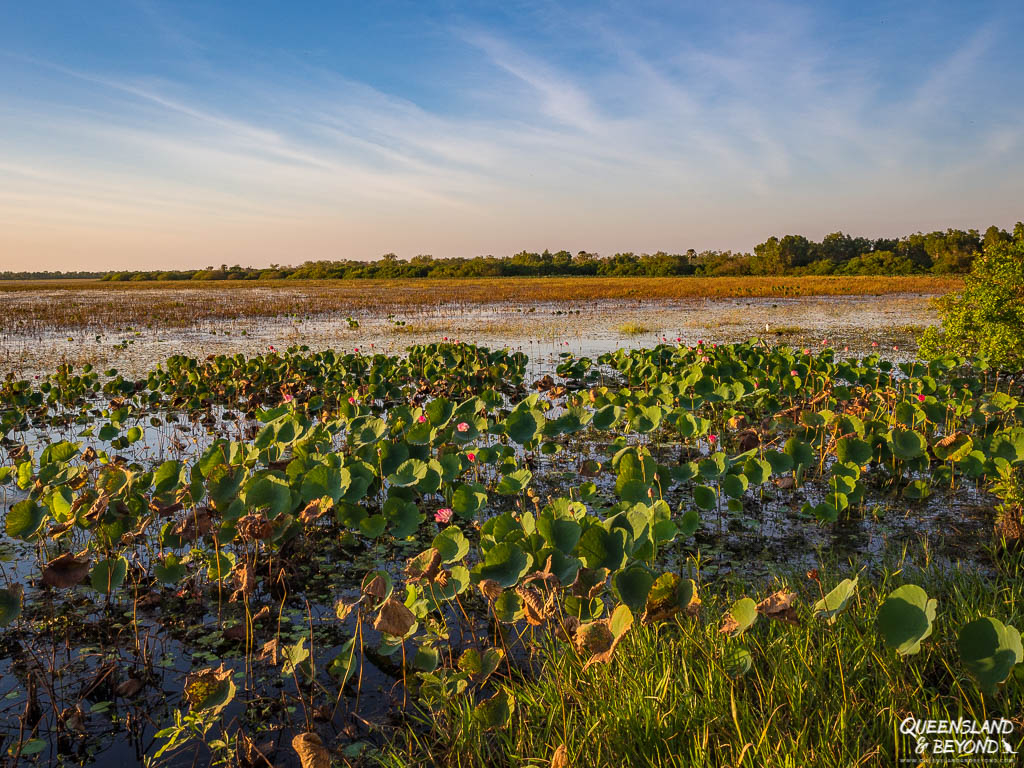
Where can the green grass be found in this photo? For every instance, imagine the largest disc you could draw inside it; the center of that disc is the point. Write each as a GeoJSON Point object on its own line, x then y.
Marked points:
{"type": "Point", "coordinates": [816, 695]}
{"type": "Point", "coordinates": [633, 329]}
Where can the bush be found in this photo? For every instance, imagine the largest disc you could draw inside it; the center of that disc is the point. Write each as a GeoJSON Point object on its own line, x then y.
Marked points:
{"type": "Point", "coordinates": [986, 319]}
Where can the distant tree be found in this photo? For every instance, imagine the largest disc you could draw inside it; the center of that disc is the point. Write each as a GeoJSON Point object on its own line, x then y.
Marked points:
{"type": "Point", "coordinates": [993, 236]}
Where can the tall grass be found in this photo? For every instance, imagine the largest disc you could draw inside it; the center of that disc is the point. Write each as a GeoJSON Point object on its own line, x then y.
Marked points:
{"type": "Point", "coordinates": [816, 695]}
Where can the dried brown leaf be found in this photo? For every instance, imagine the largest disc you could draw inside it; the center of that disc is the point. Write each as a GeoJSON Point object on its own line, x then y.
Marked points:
{"type": "Point", "coordinates": [67, 570]}
{"type": "Point", "coordinates": [490, 589]}
{"type": "Point", "coordinates": [779, 606]}
{"type": "Point", "coordinates": [311, 750]}
{"type": "Point", "coordinates": [394, 618]}
{"type": "Point", "coordinates": [533, 605]}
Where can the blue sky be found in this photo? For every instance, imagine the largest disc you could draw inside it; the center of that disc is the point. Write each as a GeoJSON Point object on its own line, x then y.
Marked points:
{"type": "Point", "coordinates": [142, 134]}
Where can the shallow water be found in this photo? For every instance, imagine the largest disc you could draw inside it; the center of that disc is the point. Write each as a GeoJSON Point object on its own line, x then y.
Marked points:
{"type": "Point", "coordinates": [543, 331]}
{"type": "Point", "coordinates": [772, 531]}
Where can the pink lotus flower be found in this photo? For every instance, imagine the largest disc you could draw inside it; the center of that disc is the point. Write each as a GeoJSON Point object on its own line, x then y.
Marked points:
{"type": "Point", "coordinates": [352, 401]}
{"type": "Point", "coordinates": [443, 515]}
{"type": "Point", "coordinates": [705, 359]}
{"type": "Point", "coordinates": [874, 343]}
{"type": "Point", "coordinates": [678, 339]}
{"type": "Point", "coordinates": [920, 398]}
{"type": "Point", "coordinates": [794, 374]}
{"type": "Point", "coordinates": [287, 398]}
{"type": "Point", "coordinates": [421, 418]}
{"type": "Point", "coordinates": [700, 342]}
{"type": "Point", "coordinates": [462, 426]}
{"type": "Point", "coordinates": [895, 348]}
{"type": "Point", "coordinates": [471, 456]}
{"type": "Point", "coordinates": [807, 351]}
{"type": "Point", "coordinates": [712, 439]}
{"type": "Point", "coordinates": [357, 350]}
{"type": "Point", "coordinates": [846, 349]}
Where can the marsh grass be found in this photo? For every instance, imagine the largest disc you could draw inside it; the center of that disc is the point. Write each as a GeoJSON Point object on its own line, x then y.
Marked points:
{"type": "Point", "coordinates": [34, 306]}
{"type": "Point", "coordinates": [633, 329]}
{"type": "Point", "coordinates": [816, 695]}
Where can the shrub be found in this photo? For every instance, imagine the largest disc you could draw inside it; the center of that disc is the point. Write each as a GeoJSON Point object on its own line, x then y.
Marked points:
{"type": "Point", "coordinates": [986, 319]}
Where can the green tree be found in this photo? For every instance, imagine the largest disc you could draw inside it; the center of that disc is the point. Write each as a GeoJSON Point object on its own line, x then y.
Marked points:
{"type": "Point", "coordinates": [987, 317]}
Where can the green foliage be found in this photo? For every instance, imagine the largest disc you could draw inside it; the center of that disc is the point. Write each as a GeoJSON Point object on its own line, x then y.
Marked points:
{"type": "Point", "coordinates": [987, 317]}
{"type": "Point", "coordinates": [905, 619]}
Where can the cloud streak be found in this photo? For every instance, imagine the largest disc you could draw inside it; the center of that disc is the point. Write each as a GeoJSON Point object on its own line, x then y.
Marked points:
{"type": "Point", "coordinates": [710, 131]}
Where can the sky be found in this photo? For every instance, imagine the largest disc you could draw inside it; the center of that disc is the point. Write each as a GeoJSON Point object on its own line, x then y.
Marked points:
{"type": "Point", "coordinates": [148, 134]}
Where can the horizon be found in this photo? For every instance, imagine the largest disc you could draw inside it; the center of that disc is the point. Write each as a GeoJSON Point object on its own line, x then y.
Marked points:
{"type": "Point", "coordinates": [150, 135]}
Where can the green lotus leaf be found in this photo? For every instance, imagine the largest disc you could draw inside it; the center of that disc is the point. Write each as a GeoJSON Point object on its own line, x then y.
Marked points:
{"type": "Point", "coordinates": [409, 472]}
{"type": "Point", "coordinates": [830, 606]}
{"type": "Point", "coordinates": [632, 585]}
{"type": "Point", "coordinates": [524, 425]}
{"type": "Point", "coordinates": [907, 444]}
{"type": "Point", "coordinates": [705, 497]}
{"type": "Point", "coordinates": [990, 650]}
{"type": "Point", "coordinates": [468, 499]}
{"type": "Point", "coordinates": [495, 712]}
{"type": "Point", "coordinates": [10, 605]}
{"type": "Point", "coordinates": [504, 563]}
{"type": "Point", "coordinates": [854, 450]}
{"type": "Point", "coordinates": [559, 533]}
{"type": "Point", "coordinates": [108, 575]}
{"type": "Point", "coordinates": [24, 519]}
{"type": "Point", "coordinates": [905, 619]}
{"type": "Point", "coordinates": [736, 661]}
{"type": "Point", "coordinates": [741, 617]}
{"type": "Point", "coordinates": [452, 544]}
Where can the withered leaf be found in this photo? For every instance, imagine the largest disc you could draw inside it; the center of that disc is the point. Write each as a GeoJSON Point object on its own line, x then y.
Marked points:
{"type": "Point", "coordinates": [270, 651]}
{"type": "Point", "coordinates": [594, 637]}
{"type": "Point", "coordinates": [67, 570]}
{"type": "Point", "coordinates": [262, 614]}
{"type": "Point", "coordinates": [129, 687]}
{"type": "Point", "coordinates": [377, 587]}
{"type": "Point", "coordinates": [315, 510]}
{"type": "Point", "coordinates": [244, 578]}
{"type": "Point", "coordinates": [490, 589]}
{"type": "Point", "coordinates": [98, 508]}
{"type": "Point", "coordinates": [56, 531]}
{"type": "Point", "coordinates": [311, 750]}
{"type": "Point", "coordinates": [589, 582]}
{"type": "Point", "coordinates": [533, 605]}
{"type": "Point", "coordinates": [394, 618]}
{"type": "Point", "coordinates": [425, 565]}
{"type": "Point", "coordinates": [779, 606]}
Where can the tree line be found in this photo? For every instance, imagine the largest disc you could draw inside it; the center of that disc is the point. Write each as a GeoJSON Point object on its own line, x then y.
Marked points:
{"type": "Point", "coordinates": [949, 252]}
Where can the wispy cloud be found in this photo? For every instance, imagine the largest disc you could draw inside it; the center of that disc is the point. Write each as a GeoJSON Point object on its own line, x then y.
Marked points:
{"type": "Point", "coordinates": [647, 129]}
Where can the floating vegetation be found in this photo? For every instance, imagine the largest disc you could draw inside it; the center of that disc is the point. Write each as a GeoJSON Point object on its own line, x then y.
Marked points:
{"type": "Point", "coordinates": [271, 557]}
